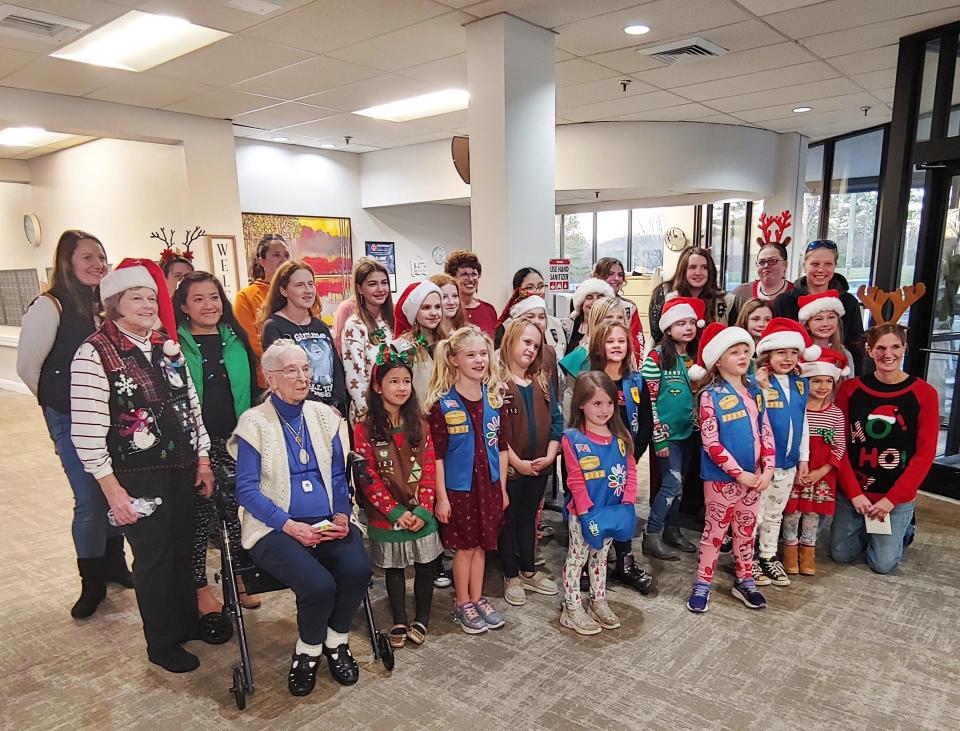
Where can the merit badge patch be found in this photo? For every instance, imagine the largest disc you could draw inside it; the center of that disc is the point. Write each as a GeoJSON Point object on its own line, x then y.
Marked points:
{"type": "Point", "coordinates": [728, 402]}
{"type": "Point", "coordinates": [590, 462]}
{"type": "Point", "coordinates": [635, 394]}
{"type": "Point", "coordinates": [801, 387]}
{"type": "Point", "coordinates": [455, 417]}
{"type": "Point", "coordinates": [623, 447]}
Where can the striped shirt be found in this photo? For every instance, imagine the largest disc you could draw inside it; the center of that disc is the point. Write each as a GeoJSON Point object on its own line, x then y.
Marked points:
{"type": "Point", "coordinates": [829, 425]}
{"type": "Point", "coordinates": [90, 407]}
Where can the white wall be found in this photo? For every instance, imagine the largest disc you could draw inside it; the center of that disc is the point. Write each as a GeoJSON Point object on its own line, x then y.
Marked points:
{"type": "Point", "coordinates": [291, 180]}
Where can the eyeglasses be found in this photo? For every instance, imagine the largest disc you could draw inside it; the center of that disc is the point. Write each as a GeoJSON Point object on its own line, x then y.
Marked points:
{"type": "Point", "coordinates": [294, 373]}
{"type": "Point", "coordinates": [533, 287]}
{"type": "Point", "coordinates": [772, 261]}
{"type": "Point", "coordinates": [468, 275]}
{"type": "Point", "coordinates": [821, 244]}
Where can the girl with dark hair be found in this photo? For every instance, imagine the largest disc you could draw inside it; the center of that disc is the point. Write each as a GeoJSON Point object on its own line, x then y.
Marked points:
{"type": "Point", "coordinates": [399, 492]}
{"type": "Point", "coordinates": [291, 311]}
{"type": "Point", "coordinates": [528, 282]}
{"type": "Point", "coordinates": [611, 270]}
{"type": "Point", "coordinates": [695, 276]}
{"type": "Point", "coordinates": [52, 329]}
{"type": "Point", "coordinates": [271, 252]}
{"type": "Point", "coordinates": [223, 369]}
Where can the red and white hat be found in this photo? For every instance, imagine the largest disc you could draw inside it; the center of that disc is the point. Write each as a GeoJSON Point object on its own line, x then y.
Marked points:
{"type": "Point", "coordinates": [784, 333]}
{"type": "Point", "coordinates": [814, 304]}
{"type": "Point", "coordinates": [523, 306]}
{"type": "Point", "coordinates": [407, 307]}
{"type": "Point", "coordinates": [830, 363]}
{"type": "Point", "coordinates": [589, 286]}
{"type": "Point", "coordinates": [682, 308]}
{"type": "Point", "coordinates": [133, 273]}
{"type": "Point", "coordinates": [714, 342]}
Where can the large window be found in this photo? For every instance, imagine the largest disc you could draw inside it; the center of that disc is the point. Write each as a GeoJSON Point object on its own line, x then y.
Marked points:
{"type": "Point", "coordinates": [812, 194]}
{"type": "Point", "coordinates": [725, 231]}
{"type": "Point", "coordinates": [613, 227]}
{"type": "Point", "coordinates": [649, 226]}
{"type": "Point", "coordinates": [578, 245]}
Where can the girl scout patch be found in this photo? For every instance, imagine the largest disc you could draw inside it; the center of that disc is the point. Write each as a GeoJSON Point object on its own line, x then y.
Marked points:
{"type": "Point", "coordinates": [800, 387]}
{"type": "Point", "coordinates": [635, 394]}
{"type": "Point", "coordinates": [728, 402]}
{"type": "Point", "coordinates": [623, 447]}
{"type": "Point", "coordinates": [455, 417]}
{"type": "Point", "coordinates": [589, 462]}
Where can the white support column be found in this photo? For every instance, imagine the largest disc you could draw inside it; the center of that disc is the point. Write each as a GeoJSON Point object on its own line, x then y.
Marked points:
{"type": "Point", "coordinates": [789, 184]}
{"type": "Point", "coordinates": [510, 76]}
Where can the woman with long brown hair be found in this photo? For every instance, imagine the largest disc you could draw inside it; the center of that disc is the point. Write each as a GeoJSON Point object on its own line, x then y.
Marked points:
{"type": "Point", "coordinates": [695, 276]}
{"type": "Point", "coordinates": [52, 329]}
{"type": "Point", "coordinates": [271, 252]}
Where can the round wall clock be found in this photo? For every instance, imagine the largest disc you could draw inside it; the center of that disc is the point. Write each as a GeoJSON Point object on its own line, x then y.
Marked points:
{"type": "Point", "coordinates": [439, 255]}
{"type": "Point", "coordinates": [31, 229]}
{"type": "Point", "coordinates": [675, 239]}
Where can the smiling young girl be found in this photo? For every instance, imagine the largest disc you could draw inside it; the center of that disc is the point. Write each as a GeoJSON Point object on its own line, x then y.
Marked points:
{"type": "Point", "coordinates": [610, 270]}
{"type": "Point", "coordinates": [418, 316]}
{"type": "Point", "coordinates": [754, 317]}
{"type": "Point", "coordinates": [737, 460]}
{"type": "Point", "coordinates": [454, 316]}
{"type": "Point", "coordinates": [464, 401]}
{"type": "Point", "coordinates": [399, 491]}
{"type": "Point", "coordinates": [821, 315]}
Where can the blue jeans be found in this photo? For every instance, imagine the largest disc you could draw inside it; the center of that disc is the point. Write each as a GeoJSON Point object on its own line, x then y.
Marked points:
{"type": "Point", "coordinates": [666, 502]}
{"type": "Point", "coordinates": [90, 526]}
{"type": "Point", "coordinates": [849, 537]}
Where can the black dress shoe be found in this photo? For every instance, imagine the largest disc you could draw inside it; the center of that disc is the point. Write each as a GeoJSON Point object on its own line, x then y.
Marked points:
{"type": "Point", "coordinates": [174, 659]}
{"type": "Point", "coordinates": [673, 536]}
{"type": "Point", "coordinates": [303, 674]}
{"type": "Point", "coordinates": [343, 667]}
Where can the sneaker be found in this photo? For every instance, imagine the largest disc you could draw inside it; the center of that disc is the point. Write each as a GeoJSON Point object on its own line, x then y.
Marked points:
{"type": "Point", "coordinates": [759, 578]}
{"type": "Point", "coordinates": [491, 615]}
{"type": "Point", "coordinates": [604, 615]}
{"type": "Point", "coordinates": [539, 584]}
{"type": "Point", "coordinates": [746, 591]}
{"type": "Point", "coordinates": [575, 618]}
{"type": "Point", "coordinates": [727, 544]}
{"type": "Point", "coordinates": [513, 593]}
{"type": "Point", "coordinates": [538, 559]}
{"type": "Point", "coordinates": [469, 618]}
{"type": "Point", "coordinates": [546, 530]}
{"type": "Point", "coordinates": [627, 572]}
{"type": "Point", "coordinates": [699, 601]}
{"type": "Point", "coordinates": [774, 571]}
{"type": "Point", "coordinates": [444, 579]}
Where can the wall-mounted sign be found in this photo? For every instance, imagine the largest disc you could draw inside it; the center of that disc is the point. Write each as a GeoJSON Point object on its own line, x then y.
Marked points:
{"type": "Point", "coordinates": [223, 263]}
{"type": "Point", "coordinates": [386, 253]}
{"type": "Point", "coordinates": [559, 275]}
{"type": "Point", "coordinates": [418, 267]}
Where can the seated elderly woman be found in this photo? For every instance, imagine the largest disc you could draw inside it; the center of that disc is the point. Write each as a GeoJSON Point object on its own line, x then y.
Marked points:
{"type": "Point", "coordinates": [292, 485]}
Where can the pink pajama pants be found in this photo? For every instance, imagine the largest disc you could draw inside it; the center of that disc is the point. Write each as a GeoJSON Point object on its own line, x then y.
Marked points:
{"type": "Point", "coordinates": [727, 503]}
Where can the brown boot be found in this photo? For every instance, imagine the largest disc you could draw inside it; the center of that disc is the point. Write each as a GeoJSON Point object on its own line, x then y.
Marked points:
{"type": "Point", "coordinates": [247, 601]}
{"type": "Point", "coordinates": [808, 561]}
{"type": "Point", "coordinates": [790, 564]}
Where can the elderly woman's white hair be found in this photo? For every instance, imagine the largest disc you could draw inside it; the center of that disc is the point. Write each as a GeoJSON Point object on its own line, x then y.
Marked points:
{"type": "Point", "coordinates": [270, 361]}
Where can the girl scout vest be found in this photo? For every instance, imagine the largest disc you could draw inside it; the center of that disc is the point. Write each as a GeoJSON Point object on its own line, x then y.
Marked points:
{"type": "Point", "coordinates": [675, 405]}
{"type": "Point", "coordinates": [735, 430]}
{"type": "Point", "coordinates": [514, 410]}
{"type": "Point", "coordinates": [400, 468]}
{"type": "Point", "coordinates": [783, 415]}
{"type": "Point", "coordinates": [632, 384]}
{"type": "Point", "coordinates": [458, 461]}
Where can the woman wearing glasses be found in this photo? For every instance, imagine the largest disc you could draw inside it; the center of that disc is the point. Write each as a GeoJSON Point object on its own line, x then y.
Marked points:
{"type": "Point", "coordinates": [528, 282]}
{"type": "Point", "coordinates": [820, 275]}
{"type": "Point", "coordinates": [464, 266]}
{"type": "Point", "coordinates": [771, 279]}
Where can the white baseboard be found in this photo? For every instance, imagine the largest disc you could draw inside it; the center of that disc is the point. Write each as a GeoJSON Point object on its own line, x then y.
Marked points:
{"type": "Point", "coordinates": [16, 386]}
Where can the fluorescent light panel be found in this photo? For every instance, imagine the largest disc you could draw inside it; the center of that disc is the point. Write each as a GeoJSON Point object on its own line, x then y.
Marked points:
{"type": "Point", "coordinates": [137, 41]}
{"type": "Point", "coordinates": [418, 107]}
{"type": "Point", "coordinates": [636, 29]}
{"type": "Point", "coordinates": [29, 137]}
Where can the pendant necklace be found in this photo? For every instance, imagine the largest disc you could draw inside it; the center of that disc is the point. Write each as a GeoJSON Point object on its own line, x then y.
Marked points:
{"type": "Point", "coordinates": [297, 437]}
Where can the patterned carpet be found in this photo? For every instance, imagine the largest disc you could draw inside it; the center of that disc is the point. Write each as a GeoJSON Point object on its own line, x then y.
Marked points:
{"type": "Point", "coordinates": [844, 650]}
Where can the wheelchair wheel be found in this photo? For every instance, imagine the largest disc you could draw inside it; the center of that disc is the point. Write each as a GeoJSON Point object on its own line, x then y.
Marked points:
{"type": "Point", "coordinates": [238, 690]}
{"type": "Point", "coordinates": [386, 651]}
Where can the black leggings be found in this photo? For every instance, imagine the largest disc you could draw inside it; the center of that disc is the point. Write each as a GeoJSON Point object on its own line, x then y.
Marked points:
{"type": "Point", "coordinates": [518, 539]}
{"type": "Point", "coordinates": [424, 574]}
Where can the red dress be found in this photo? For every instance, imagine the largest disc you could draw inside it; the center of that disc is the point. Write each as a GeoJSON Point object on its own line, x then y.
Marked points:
{"type": "Point", "coordinates": [827, 445]}
{"type": "Point", "coordinates": [476, 516]}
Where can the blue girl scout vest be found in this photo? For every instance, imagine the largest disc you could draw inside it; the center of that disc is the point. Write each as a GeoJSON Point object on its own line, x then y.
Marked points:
{"type": "Point", "coordinates": [458, 461]}
{"type": "Point", "coordinates": [604, 468]}
{"type": "Point", "coordinates": [735, 430]}
{"type": "Point", "coordinates": [632, 385]}
{"type": "Point", "coordinates": [783, 415]}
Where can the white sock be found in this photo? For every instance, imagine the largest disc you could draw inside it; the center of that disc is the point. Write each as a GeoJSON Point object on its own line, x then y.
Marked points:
{"type": "Point", "coordinates": [335, 639]}
{"type": "Point", "coordinates": [305, 648]}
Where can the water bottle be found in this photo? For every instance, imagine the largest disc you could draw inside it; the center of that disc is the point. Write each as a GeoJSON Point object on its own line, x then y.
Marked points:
{"type": "Point", "coordinates": [143, 505]}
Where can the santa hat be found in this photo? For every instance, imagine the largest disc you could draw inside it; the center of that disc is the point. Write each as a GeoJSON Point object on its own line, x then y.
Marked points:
{"type": "Point", "coordinates": [814, 304]}
{"type": "Point", "coordinates": [589, 286]}
{"type": "Point", "coordinates": [830, 363]}
{"type": "Point", "coordinates": [522, 307]}
{"type": "Point", "coordinates": [131, 273]}
{"type": "Point", "coordinates": [782, 333]}
{"type": "Point", "coordinates": [714, 342]}
{"type": "Point", "coordinates": [682, 308]}
{"type": "Point", "coordinates": [407, 307]}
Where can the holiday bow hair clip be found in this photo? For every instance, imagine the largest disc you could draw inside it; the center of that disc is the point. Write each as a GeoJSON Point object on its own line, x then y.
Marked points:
{"type": "Point", "coordinates": [773, 229]}
{"type": "Point", "coordinates": [874, 299]}
{"type": "Point", "coordinates": [388, 354]}
{"type": "Point", "coordinates": [172, 251]}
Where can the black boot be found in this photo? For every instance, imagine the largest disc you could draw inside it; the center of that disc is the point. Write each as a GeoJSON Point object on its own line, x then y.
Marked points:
{"type": "Point", "coordinates": [94, 587]}
{"type": "Point", "coordinates": [653, 546]}
{"type": "Point", "coordinates": [673, 536]}
{"type": "Point", "coordinates": [627, 572]}
{"type": "Point", "coordinates": [117, 571]}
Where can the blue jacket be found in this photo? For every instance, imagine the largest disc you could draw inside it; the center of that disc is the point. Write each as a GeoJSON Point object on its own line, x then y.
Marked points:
{"type": "Point", "coordinates": [458, 461]}
{"type": "Point", "coordinates": [736, 432]}
{"type": "Point", "coordinates": [784, 414]}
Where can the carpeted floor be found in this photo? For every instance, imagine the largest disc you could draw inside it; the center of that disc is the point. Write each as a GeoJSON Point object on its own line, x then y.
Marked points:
{"type": "Point", "coordinates": [844, 650]}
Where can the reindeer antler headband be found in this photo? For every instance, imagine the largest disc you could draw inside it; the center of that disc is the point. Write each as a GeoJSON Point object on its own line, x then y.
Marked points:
{"type": "Point", "coordinates": [169, 252]}
{"type": "Point", "coordinates": [773, 229]}
{"type": "Point", "coordinates": [874, 299]}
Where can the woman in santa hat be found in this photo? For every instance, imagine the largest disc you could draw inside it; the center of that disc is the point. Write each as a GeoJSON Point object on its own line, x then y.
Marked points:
{"type": "Point", "coordinates": [417, 318]}
{"type": "Point", "coordinates": [138, 429]}
{"type": "Point", "coordinates": [586, 293]}
{"type": "Point", "coordinates": [528, 282]}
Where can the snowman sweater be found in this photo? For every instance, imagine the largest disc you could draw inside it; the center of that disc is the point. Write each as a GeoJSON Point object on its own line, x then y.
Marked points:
{"type": "Point", "coordinates": [891, 437]}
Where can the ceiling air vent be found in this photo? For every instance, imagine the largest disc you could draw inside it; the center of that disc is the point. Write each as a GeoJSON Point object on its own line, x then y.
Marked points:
{"type": "Point", "coordinates": [28, 23]}
{"type": "Point", "coordinates": [689, 49]}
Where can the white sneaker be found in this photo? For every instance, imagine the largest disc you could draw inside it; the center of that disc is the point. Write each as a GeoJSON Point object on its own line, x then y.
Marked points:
{"type": "Point", "coordinates": [575, 618]}
{"type": "Point", "coordinates": [539, 584]}
{"type": "Point", "coordinates": [604, 615]}
{"type": "Point", "coordinates": [513, 592]}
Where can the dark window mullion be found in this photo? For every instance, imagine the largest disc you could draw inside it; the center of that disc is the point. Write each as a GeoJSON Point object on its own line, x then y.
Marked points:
{"type": "Point", "coordinates": [824, 226]}
{"type": "Point", "coordinates": [943, 94]}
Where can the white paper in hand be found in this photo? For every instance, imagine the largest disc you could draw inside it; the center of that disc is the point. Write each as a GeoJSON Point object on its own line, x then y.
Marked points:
{"type": "Point", "coordinates": [878, 527]}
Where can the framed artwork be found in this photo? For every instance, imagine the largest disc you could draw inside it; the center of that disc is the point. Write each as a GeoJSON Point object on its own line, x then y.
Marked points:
{"type": "Point", "coordinates": [323, 242]}
{"type": "Point", "coordinates": [224, 264]}
{"type": "Point", "coordinates": [385, 253]}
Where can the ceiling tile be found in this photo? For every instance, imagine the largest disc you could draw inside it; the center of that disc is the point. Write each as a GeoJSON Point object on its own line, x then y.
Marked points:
{"type": "Point", "coordinates": [307, 77]}
{"type": "Point", "coordinates": [680, 113]}
{"type": "Point", "coordinates": [884, 95]}
{"type": "Point", "coordinates": [840, 14]}
{"type": "Point", "coordinates": [579, 71]}
{"type": "Point", "coordinates": [428, 40]}
{"type": "Point", "coordinates": [883, 79]}
{"type": "Point", "coordinates": [760, 81]}
{"type": "Point", "coordinates": [598, 91]}
{"type": "Point", "coordinates": [820, 106]}
{"type": "Point", "coordinates": [743, 35]}
{"type": "Point", "coordinates": [446, 73]}
{"type": "Point", "coordinates": [765, 7]}
{"type": "Point", "coordinates": [619, 107]}
{"type": "Point", "coordinates": [420, 139]}
{"type": "Point", "coordinates": [328, 24]}
{"type": "Point", "coordinates": [145, 90]}
{"type": "Point", "coordinates": [362, 130]}
{"type": "Point", "coordinates": [370, 92]}
{"type": "Point", "coordinates": [851, 40]}
{"type": "Point", "coordinates": [551, 13]}
{"type": "Point", "coordinates": [854, 117]}
{"type": "Point", "coordinates": [560, 55]}
{"type": "Point", "coordinates": [314, 142]}
{"type": "Point", "coordinates": [57, 76]}
{"type": "Point", "coordinates": [446, 122]}
{"type": "Point", "coordinates": [11, 60]}
{"type": "Point", "coordinates": [233, 59]}
{"type": "Point", "coordinates": [884, 57]}
{"type": "Point", "coordinates": [284, 115]}
{"type": "Point", "coordinates": [733, 64]}
{"type": "Point", "coordinates": [666, 18]}
{"type": "Point", "coordinates": [222, 104]}
{"type": "Point", "coordinates": [797, 95]}
{"type": "Point", "coordinates": [721, 119]}
{"type": "Point", "coordinates": [217, 15]}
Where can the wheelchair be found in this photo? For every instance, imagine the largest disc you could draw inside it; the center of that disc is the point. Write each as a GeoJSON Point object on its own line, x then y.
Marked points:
{"type": "Point", "coordinates": [258, 581]}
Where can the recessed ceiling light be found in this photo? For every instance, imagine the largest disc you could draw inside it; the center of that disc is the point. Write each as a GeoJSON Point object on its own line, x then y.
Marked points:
{"type": "Point", "coordinates": [137, 41]}
{"type": "Point", "coordinates": [280, 139]}
{"type": "Point", "coordinates": [636, 29]}
{"type": "Point", "coordinates": [29, 137]}
{"type": "Point", "coordinates": [328, 146]}
{"type": "Point", "coordinates": [801, 110]}
{"type": "Point", "coordinates": [417, 107]}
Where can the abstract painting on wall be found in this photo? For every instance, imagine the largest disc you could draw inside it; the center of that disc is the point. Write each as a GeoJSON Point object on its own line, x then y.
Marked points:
{"type": "Point", "coordinates": [322, 242]}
